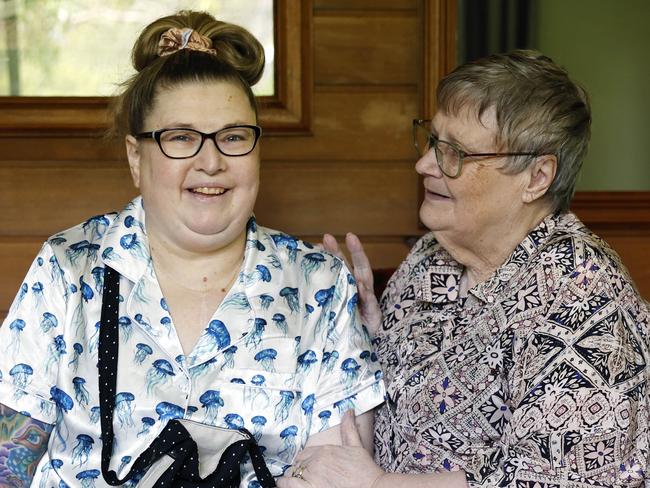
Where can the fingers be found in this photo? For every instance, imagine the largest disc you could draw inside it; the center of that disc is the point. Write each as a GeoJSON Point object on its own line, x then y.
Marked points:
{"type": "Point", "coordinates": [360, 261]}
{"type": "Point", "coordinates": [349, 433]}
{"type": "Point", "coordinates": [331, 245]}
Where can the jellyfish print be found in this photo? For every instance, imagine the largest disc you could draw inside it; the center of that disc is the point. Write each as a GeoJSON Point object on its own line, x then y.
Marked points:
{"type": "Point", "coordinates": [57, 240]}
{"type": "Point", "coordinates": [253, 339]}
{"type": "Point", "coordinates": [80, 392]}
{"type": "Point", "coordinates": [76, 250]}
{"type": "Point", "coordinates": [88, 478]}
{"type": "Point", "coordinates": [296, 346]}
{"type": "Point", "coordinates": [54, 351]}
{"type": "Point", "coordinates": [291, 297]}
{"type": "Point", "coordinates": [124, 408]}
{"type": "Point", "coordinates": [93, 342]}
{"type": "Point", "coordinates": [126, 328]}
{"type": "Point", "coordinates": [346, 404]}
{"type": "Point", "coordinates": [229, 357]}
{"type": "Point", "coordinates": [365, 356]}
{"type": "Point", "coordinates": [332, 334]}
{"type": "Point", "coordinates": [211, 401]}
{"type": "Point", "coordinates": [376, 386]}
{"type": "Point", "coordinates": [280, 322]}
{"type": "Point", "coordinates": [238, 301]}
{"type": "Point", "coordinates": [96, 226]}
{"type": "Point", "coordinates": [15, 330]}
{"type": "Point", "coordinates": [266, 301]}
{"type": "Point", "coordinates": [123, 462]}
{"type": "Point", "coordinates": [255, 244]}
{"type": "Point", "coordinates": [307, 407]}
{"type": "Point", "coordinates": [20, 377]}
{"type": "Point", "coordinates": [273, 261]}
{"type": "Point", "coordinates": [306, 360]}
{"type": "Point", "coordinates": [144, 323]}
{"type": "Point", "coordinates": [290, 243]}
{"type": "Point", "coordinates": [258, 380]}
{"type": "Point", "coordinates": [216, 337]}
{"type": "Point", "coordinates": [48, 322]}
{"type": "Point", "coordinates": [132, 244]}
{"type": "Point", "coordinates": [330, 358]}
{"type": "Point", "coordinates": [63, 404]}
{"type": "Point", "coordinates": [266, 357]}
{"type": "Point", "coordinates": [130, 222]}
{"type": "Point", "coordinates": [52, 464]}
{"type": "Point", "coordinates": [142, 351]}
{"type": "Point", "coordinates": [94, 414]}
{"type": "Point", "coordinates": [147, 423]}
{"type": "Point", "coordinates": [324, 417]}
{"type": "Point", "coordinates": [309, 309]}
{"type": "Point", "coordinates": [191, 410]}
{"type": "Point", "coordinates": [166, 322]}
{"type": "Point", "coordinates": [261, 273]}
{"type": "Point", "coordinates": [24, 289]}
{"type": "Point", "coordinates": [169, 411]}
{"type": "Point", "coordinates": [258, 421]}
{"type": "Point", "coordinates": [202, 369]}
{"type": "Point", "coordinates": [284, 405]}
{"type": "Point", "coordinates": [288, 437]}
{"type": "Point", "coordinates": [349, 371]}
{"type": "Point", "coordinates": [311, 263]}
{"type": "Point", "coordinates": [158, 374]}
{"type": "Point", "coordinates": [98, 278]}
{"type": "Point", "coordinates": [56, 273]}
{"type": "Point", "coordinates": [324, 300]}
{"type": "Point", "coordinates": [109, 254]}
{"type": "Point", "coordinates": [81, 450]}
{"type": "Point", "coordinates": [233, 421]}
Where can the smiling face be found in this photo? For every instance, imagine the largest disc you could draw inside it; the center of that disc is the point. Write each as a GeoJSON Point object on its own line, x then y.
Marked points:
{"type": "Point", "coordinates": [467, 209]}
{"type": "Point", "coordinates": [202, 203]}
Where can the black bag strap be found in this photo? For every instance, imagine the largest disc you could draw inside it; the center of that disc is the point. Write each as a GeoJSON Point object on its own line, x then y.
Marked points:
{"type": "Point", "coordinates": [174, 439]}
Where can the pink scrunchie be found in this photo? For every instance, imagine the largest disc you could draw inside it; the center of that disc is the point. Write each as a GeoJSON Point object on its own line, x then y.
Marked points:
{"type": "Point", "coordinates": [176, 39]}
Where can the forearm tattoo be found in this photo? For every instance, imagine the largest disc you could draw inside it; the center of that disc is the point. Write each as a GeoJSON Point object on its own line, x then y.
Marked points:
{"type": "Point", "coordinates": [23, 440]}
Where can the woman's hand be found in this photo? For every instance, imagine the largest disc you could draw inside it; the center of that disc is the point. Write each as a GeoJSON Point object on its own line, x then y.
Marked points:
{"type": "Point", "coordinates": [362, 271]}
{"type": "Point", "coordinates": [345, 466]}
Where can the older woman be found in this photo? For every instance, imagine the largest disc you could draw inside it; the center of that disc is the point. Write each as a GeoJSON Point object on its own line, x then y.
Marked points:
{"type": "Point", "coordinates": [513, 341]}
{"type": "Point", "coordinates": [215, 319]}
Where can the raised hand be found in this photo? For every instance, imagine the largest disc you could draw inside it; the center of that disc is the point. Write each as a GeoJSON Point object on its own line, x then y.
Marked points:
{"type": "Point", "coordinates": [362, 271]}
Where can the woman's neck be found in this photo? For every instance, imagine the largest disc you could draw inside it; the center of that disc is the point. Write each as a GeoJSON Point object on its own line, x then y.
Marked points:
{"type": "Point", "coordinates": [198, 272]}
{"type": "Point", "coordinates": [483, 253]}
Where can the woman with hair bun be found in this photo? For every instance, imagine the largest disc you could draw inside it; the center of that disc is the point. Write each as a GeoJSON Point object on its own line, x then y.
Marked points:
{"type": "Point", "coordinates": [191, 311]}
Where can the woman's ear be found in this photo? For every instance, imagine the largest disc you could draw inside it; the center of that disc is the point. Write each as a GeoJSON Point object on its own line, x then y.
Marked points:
{"type": "Point", "coordinates": [541, 175]}
{"type": "Point", "coordinates": [133, 155]}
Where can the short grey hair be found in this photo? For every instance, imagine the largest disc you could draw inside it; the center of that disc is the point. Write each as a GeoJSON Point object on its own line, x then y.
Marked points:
{"type": "Point", "coordinates": [538, 109]}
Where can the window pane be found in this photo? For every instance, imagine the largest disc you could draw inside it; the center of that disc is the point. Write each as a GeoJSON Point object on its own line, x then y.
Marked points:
{"type": "Point", "coordinates": [83, 47]}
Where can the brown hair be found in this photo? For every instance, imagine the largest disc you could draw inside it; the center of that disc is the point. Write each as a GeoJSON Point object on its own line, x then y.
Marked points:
{"type": "Point", "coordinates": [239, 59]}
{"type": "Point", "coordinates": [538, 108]}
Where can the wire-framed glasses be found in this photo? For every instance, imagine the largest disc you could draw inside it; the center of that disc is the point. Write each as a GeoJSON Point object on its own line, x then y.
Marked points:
{"type": "Point", "coordinates": [181, 143]}
{"type": "Point", "coordinates": [448, 156]}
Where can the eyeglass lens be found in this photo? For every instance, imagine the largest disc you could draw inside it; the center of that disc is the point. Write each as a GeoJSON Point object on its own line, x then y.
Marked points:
{"type": "Point", "coordinates": [446, 154]}
{"type": "Point", "coordinates": [184, 143]}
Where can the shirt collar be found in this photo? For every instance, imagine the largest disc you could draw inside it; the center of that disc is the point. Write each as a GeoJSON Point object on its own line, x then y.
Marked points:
{"type": "Point", "coordinates": [440, 276]}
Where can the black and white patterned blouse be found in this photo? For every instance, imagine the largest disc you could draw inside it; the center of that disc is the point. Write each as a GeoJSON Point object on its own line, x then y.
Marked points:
{"type": "Point", "coordinates": [537, 379]}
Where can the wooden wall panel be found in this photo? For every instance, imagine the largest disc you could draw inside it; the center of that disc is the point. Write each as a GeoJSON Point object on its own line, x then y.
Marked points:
{"type": "Point", "coordinates": [379, 50]}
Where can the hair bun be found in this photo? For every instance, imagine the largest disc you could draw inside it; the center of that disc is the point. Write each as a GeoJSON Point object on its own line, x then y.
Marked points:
{"type": "Point", "coordinates": [232, 44]}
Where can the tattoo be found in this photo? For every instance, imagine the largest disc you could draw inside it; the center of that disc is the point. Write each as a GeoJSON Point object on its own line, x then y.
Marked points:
{"type": "Point", "coordinates": [23, 441]}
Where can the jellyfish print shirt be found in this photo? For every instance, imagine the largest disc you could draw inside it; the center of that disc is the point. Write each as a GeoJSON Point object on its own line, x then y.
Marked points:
{"type": "Point", "coordinates": [284, 355]}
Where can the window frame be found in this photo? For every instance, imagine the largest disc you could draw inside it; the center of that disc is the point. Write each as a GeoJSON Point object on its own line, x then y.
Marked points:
{"type": "Point", "coordinates": [288, 111]}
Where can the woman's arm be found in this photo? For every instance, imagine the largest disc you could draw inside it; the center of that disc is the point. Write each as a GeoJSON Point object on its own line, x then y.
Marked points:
{"type": "Point", "coordinates": [23, 441]}
{"type": "Point", "coordinates": [351, 466]}
{"type": "Point", "coordinates": [364, 424]}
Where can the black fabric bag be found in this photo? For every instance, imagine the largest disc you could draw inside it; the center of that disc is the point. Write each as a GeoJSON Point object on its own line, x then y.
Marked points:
{"type": "Point", "coordinates": [172, 459]}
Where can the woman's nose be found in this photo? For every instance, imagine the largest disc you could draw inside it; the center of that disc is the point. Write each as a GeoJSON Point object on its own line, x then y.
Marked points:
{"type": "Point", "coordinates": [428, 165]}
{"type": "Point", "coordinates": [209, 159]}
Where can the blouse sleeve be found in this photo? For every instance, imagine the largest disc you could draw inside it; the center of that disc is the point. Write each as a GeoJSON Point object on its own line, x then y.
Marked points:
{"type": "Point", "coordinates": [33, 340]}
{"type": "Point", "coordinates": [349, 377]}
{"type": "Point", "coordinates": [581, 387]}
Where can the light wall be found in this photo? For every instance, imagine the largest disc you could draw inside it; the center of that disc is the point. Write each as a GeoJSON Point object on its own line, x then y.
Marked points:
{"type": "Point", "coordinates": [605, 45]}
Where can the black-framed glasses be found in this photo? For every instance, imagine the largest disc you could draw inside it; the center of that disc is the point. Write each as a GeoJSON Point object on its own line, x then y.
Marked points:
{"type": "Point", "coordinates": [182, 143]}
{"type": "Point", "coordinates": [448, 156]}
